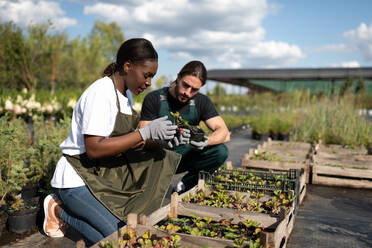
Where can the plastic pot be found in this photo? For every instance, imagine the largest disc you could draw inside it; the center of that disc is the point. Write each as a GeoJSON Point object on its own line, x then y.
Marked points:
{"type": "Point", "coordinates": [283, 136]}
{"type": "Point", "coordinates": [197, 135]}
{"type": "Point", "coordinates": [3, 220]}
{"type": "Point", "coordinates": [22, 221]}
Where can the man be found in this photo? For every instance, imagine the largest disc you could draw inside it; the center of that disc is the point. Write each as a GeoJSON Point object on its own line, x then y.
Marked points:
{"type": "Point", "coordinates": [183, 96]}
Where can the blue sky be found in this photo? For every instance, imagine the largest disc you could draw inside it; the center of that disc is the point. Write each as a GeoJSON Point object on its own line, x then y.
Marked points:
{"type": "Point", "coordinates": [221, 33]}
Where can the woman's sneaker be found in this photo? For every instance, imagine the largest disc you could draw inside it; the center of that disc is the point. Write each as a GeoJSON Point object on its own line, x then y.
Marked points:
{"type": "Point", "coordinates": [53, 226]}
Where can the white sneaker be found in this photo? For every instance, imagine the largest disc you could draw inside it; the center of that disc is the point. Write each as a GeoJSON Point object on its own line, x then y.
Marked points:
{"type": "Point", "coordinates": [180, 188]}
{"type": "Point", "coordinates": [53, 226]}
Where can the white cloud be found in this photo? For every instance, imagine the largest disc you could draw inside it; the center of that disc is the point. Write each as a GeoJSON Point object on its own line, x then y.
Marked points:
{"type": "Point", "coordinates": [347, 64]}
{"type": "Point", "coordinates": [24, 12]}
{"type": "Point", "coordinates": [361, 40]}
{"type": "Point", "coordinates": [222, 33]}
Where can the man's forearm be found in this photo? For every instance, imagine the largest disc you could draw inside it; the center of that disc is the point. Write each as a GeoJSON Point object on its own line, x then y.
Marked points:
{"type": "Point", "coordinates": [220, 135]}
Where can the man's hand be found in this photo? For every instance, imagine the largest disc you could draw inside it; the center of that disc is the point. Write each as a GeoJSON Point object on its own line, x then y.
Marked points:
{"type": "Point", "coordinates": [182, 139]}
{"type": "Point", "coordinates": [200, 144]}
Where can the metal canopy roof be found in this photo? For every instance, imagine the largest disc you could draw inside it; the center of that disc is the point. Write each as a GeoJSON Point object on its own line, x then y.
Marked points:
{"type": "Point", "coordinates": [292, 74]}
{"type": "Point", "coordinates": [243, 77]}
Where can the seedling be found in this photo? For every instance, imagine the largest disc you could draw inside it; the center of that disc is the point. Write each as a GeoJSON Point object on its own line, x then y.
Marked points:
{"type": "Point", "coordinates": [197, 133]}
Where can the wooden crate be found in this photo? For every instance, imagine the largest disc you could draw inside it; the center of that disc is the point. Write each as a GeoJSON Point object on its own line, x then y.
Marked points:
{"type": "Point", "coordinates": [342, 170]}
{"type": "Point", "coordinates": [140, 229]}
{"type": "Point", "coordinates": [277, 228]}
{"type": "Point", "coordinates": [298, 163]}
{"type": "Point", "coordinates": [302, 182]}
{"type": "Point", "coordinates": [299, 149]}
{"type": "Point", "coordinates": [335, 165]}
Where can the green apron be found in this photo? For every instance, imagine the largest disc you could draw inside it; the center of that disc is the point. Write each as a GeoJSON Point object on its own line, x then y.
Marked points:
{"type": "Point", "coordinates": [134, 181]}
{"type": "Point", "coordinates": [191, 117]}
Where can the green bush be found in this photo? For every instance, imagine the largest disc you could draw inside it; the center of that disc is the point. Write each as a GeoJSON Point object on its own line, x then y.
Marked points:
{"type": "Point", "coordinates": [14, 151]}
{"type": "Point", "coordinates": [45, 149]}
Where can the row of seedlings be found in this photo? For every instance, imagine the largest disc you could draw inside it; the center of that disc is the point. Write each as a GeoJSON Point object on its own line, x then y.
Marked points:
{"type": "Point", "coordinates": [337, 165]}
{"type": "Point", "coordinates": [282, 155]}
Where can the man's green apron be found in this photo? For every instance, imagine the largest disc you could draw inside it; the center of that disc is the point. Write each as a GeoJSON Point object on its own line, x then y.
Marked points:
{"type": "Point", "coordinates": [134, 181]}
{"type": "Point", "coordinates": [190, 117]}
{"type": "Point", "coordinates": [193, 161]}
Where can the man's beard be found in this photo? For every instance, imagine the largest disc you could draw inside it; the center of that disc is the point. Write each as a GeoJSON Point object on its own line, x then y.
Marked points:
{"type": "Point", "coordinates": [180, 96]}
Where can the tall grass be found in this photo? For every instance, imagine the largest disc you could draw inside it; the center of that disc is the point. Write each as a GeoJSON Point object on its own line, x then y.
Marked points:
{"type": "Point", "coordinates": [334, 120]}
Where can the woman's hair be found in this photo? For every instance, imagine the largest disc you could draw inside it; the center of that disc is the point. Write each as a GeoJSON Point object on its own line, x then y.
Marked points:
{"type": "Point", "coordinates": [135, 50]}
{"type": "Point", "coordinates": [194, 68]}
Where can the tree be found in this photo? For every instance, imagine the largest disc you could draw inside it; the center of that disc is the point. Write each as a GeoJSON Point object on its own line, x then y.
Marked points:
{"type": "Point", "coordinates": [56, 54]}
{"type": "Point", "coordinates": [110, 36]}
{"type": "Point", "coordinates": [218, 90]}
{"type": "Point", "coordinates": [11, 38]}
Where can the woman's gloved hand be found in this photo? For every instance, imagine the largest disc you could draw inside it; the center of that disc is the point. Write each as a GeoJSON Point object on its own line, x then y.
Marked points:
{"type": "Point", "coordinates": [161, 129]}
{"type": "Point", "coordinates": [200, 145]}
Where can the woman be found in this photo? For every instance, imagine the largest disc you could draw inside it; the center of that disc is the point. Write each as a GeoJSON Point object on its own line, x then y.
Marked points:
{"type": "Point", "coordinates": [101, 176]}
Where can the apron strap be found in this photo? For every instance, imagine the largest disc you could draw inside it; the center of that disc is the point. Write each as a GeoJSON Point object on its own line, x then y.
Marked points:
{"type": "Point", "coordinates": [117, 97]}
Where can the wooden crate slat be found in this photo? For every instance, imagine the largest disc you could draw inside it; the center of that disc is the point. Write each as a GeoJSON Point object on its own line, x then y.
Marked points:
{"type": "Point", "coordinates": [289, 144]}
{"type": "Point", "coordinates": [157, 215]}
{"type": "Point", "coordinates": [272, 164]}
{"type": "Point", "coordinates": [352, 157]}
{"type": "Point", "coordinates": [350, 161]}
{"type": "Point", "coordinates": [332, 181]}
{"type": "Point", "coordinates": [302, 189]}
{"type": "Point", "coordinates": [339, 149]}
{"type": "Point", "coordinates": [342, 172]}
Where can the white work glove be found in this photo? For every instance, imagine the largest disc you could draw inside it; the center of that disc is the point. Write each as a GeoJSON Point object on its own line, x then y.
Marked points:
{"type": "Point", "coordinates": [182, 139]}
{"type": "Point", "coordinates": [158, 129]}
{"type": "Point", "coordinates": [200, 144]}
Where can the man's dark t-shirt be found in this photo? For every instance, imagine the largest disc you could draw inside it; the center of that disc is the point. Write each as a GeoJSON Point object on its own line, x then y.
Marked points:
{"type": "Point", "coordinates": [151, 106]}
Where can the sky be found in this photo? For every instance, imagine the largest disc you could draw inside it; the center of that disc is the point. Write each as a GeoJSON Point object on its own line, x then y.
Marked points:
{"type": "Point", "coordinates": [224, 34]}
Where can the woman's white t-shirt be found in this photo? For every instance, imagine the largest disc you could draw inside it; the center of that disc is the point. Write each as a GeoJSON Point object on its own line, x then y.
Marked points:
{"type": "Point", "coordinates": [94, 114]}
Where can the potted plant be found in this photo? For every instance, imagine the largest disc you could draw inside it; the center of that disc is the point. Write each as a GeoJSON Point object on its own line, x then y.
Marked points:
{"type": "Point", "coordinates": [369, 146]}
{"type": "Point", "coordinates": [13, 151]}
{"type": "Point", "coordinates": [197, 133]}
{"type": "Point", "coordinates": [261, 126]}
{"type": "Point", "coordinates": [22, 214]}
